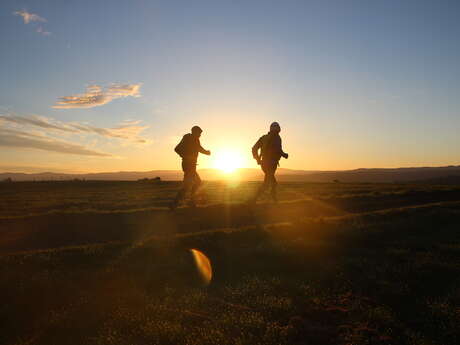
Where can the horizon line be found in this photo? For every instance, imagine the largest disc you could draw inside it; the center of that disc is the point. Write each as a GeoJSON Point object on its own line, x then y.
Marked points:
{"type": "Point", "coordinates": [220, 171]}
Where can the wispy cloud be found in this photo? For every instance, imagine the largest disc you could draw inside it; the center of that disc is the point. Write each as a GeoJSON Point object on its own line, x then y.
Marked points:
{"type": "Point", "coordinates": [42, 133]}
{"type": "Point", "coordinates": [95, 96]}
{"type": "Point", "coordinates": [29, 17]}
{"type": "Point", "coordinates": [42, 31]}
{"type": "Point", "coordinates": [38, 121]}
{"type": "Point", "coordinates": [32, 17]}
{"type": "Point", "coordinates": [129, 130]}
{"type": "Point", "coordinates": [20, 139]}
{"type": "Point", "coordinates": [124, 90]}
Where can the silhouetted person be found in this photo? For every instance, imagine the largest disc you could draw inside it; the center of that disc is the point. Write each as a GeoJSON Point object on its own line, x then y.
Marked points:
{"type": "Point", "coordinates": [188, 149]}
{"type": "Point", "coordinates": [271, 152]}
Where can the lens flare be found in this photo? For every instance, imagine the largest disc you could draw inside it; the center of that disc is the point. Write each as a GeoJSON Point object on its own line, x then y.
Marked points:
{"type": "Point", "coordinates": [203, 265]}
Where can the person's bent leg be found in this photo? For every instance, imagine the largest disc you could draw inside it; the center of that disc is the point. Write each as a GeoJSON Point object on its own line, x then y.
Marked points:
{"type": "Point", "coordinates": [186, 185]}
{"type": "Point", "coordinates": [274, 185]}
{"type": "Point", "coordinates": [180, 195]}
{"type": "Point", "coordinates": [195, 188]}
{"type": "Point", "coordinates": [271, 170]}
{"type": "Point", "coordinates": [263, 187]}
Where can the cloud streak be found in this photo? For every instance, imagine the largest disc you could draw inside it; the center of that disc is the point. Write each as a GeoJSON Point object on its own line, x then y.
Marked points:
{"type": "Point", "coordinates": [20, 139]}
{"type": "Point", "coordinates": [42, 31]}
{"type": "Point", "coordinates": [95, 96]}
{"type": "Point", "coordinates": [128, 130]}
{"type": "Point", "coordinates": [124, 90]}
{"type": "Point", "coordinates": [32, 17]}
{"type": "Point", "coordinates": [29, 17]}
{"type": "Point", "coordinates": [37, 121]}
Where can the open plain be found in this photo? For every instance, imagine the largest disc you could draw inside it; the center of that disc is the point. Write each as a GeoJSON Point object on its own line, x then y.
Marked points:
{"type": "Point", "coordinates": [94, 262]}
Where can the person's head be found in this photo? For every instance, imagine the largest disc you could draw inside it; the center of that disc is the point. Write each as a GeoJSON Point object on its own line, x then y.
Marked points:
{"type": "Point", "coordinates": [196, 131]}
{"type": "Point", "coordinates": [275, 127]}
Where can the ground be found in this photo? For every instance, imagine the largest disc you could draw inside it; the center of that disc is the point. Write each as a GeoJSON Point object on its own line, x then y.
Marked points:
{"type": "Point", "coordinates": [86, 262]}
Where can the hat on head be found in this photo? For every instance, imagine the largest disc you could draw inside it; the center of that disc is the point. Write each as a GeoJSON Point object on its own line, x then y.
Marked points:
{"type": "Point", "coordinates": [196, 129]}
{"type": "Point", "coordinates": [275, 126]}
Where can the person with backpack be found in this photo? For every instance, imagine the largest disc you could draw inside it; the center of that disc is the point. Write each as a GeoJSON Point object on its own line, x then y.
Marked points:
{"type": "Point", "coordinates": [188, 149]}
{"type": "Point", "coordinates": [271, 152]}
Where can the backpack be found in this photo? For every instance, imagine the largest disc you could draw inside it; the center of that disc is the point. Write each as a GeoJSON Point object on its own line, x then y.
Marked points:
{"type": "Point", "coordinates": [180, 148]}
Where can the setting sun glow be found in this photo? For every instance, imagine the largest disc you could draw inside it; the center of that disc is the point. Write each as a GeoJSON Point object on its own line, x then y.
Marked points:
{"type": "Point", "coordinates": [227, 161]}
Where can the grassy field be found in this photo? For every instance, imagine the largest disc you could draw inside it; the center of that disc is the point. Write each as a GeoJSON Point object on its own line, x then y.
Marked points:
{"type": "Point", "coordinates": [107, 263]}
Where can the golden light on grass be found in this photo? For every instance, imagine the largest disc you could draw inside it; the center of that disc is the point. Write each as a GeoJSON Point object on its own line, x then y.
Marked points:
{"type": "Point", "coordinates": [203, 265]}
{"type": "Point", "coordinates": [227, 160]}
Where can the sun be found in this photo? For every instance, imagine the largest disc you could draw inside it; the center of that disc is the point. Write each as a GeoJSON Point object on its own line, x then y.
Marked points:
{"type": "Point", "coordinates": [227, 161]}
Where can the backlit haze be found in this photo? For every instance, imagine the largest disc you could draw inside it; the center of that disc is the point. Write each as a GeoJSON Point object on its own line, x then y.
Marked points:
{"type": "Point", "coordinates": [91, 86]}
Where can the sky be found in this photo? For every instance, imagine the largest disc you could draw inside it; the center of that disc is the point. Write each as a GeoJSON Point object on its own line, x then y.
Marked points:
{"type": "Point", "coordinates": [92, 86]}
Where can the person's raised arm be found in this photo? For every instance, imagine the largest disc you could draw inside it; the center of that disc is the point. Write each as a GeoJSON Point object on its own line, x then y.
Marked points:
{"type": "Point", "coordinates": [202, 150]}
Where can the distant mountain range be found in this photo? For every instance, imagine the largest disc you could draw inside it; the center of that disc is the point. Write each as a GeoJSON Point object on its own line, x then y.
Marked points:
{"type": "Point", "coordinates": [448, 174]}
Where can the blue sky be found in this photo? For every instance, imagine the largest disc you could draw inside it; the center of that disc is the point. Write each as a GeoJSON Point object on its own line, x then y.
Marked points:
{"type": "Point", "coordinates": [353, 83]}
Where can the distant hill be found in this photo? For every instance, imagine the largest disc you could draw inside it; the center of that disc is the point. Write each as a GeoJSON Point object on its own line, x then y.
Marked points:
{"type": "Point", "coordinates": [386, 175]}
{"type": "Point", "coordinates": [451, 179]}
{"type": "Point", "coordinates": [449, 174]}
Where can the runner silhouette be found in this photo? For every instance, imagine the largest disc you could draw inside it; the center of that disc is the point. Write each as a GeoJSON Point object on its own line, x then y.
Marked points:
{"type": "Point", "coordinates": [188, 149]}
{"type": "Point", "coordinates": [271, 151]}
